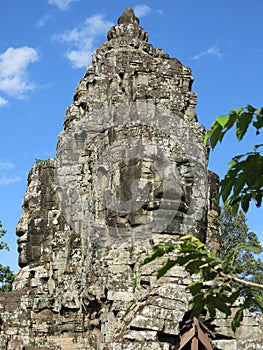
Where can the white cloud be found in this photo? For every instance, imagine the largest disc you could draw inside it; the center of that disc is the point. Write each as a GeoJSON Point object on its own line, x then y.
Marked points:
{"type": "Point", "coordinates": [141, 10]}
{"type": "Point", "coordinates": [212, 51]}
{"type": "Point", "coordinates": [6, 165]}
{"type": "Point", "coordinates": [14, 71]}
{"type": "Point", "coordinates": [80, 58]}
{"type": "Point", "coordinates": [61, 4]}
{"type": "Point", "coordinates": [9, 180]}
{"type": "Point", "coordinates": [81, 40]}
{"type": "Point", "coordinates": [43, 21]}
{"type": "Point", "coordinates": [3, 102]}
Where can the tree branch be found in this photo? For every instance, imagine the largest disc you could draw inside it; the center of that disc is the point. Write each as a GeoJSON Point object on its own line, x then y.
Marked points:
{"type": "Point", "coordinates": [239, 280]}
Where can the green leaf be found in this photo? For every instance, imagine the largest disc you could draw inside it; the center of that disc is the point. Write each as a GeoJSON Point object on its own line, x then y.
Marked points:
{"type": "Point", "coordinates": [234, 206]}
{"type": "Point", "coordinates": [251, 109]}
{"type": "Point", "coordinates": [208, 273]}
{"type": "Point", "coordinates": [223, 120]}
{"type": "Point", "coordinates": [255, 148]}
{"type": "Point", "coordinates": [193, 267]}
{"type": "Point", "coordinates": [258, 123]}
{"type": "Point", "coordinates": [200, 244]}
{"type": "Point", "coordinates": [254, 249]}
{"type": "Point", "coordinates": [221, 305]}
{"type": "Point", "coordinates": [234, 296]}
{"type": "Point", "coordinates": [225, 188]}
{"type": "Point", "coordinates": [184, 259]}
{"type": "Point", "coordinates": [198, 299]}
{"type": "Point", "coordinates": [245, 202]}
{"type": "Point", "coordinates": [238, 318]}
{"type": "Point", "coordinates": [232, 163]}
{"type": "Point", "coordinates": [188, 246]}
{"type": "Point", "coordinates": [239, 183]}
{"type": "Point", "coordinates": [197, 309]}
{"type": "Point", "coordinates": [167, 265]}
{"type": "Point", "coordinates": [158, 251]}
{"type": "Point", "coordinates": [211, 309]}
{"type": "Point", "coordinates": [215, 135]}
{"type": "Point", "coordinates": [242, 124]}
{"type": "Point", "coordinates": [195, 287]}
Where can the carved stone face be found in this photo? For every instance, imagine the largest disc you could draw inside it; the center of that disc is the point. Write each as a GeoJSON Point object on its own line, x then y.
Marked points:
{"type": "Point", "coordinates": [22, 233]}
{"type": "Point", "coordinates": [134, 185]}
{"type": "Point", "coordinates": [31, 240]}
{"type": "Point", "coordinates": [33, 229]}
{"type": "Point", "coordinates": [29, 207]}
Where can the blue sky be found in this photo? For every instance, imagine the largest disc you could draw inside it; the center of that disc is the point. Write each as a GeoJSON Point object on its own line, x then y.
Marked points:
{"type": "Point", "coordinates": [46, 45]}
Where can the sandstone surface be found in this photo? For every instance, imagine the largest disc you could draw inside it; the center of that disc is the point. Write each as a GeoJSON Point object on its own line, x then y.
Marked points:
{"type": "Point", "coordinates": [130, 172]}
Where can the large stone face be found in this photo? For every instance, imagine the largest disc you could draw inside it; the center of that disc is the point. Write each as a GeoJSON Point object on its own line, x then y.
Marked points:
{"type": "Point", "coordinates": [130, 172]}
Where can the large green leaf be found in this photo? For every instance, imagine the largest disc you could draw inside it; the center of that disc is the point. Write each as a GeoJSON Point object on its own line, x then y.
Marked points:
{"type": "Point", "coordinates": [220, 305]}
{"type": "Point", "coordinates": [223, 120]}
{"type": "Point", "coordinates": [215, 135]}
{"type": "Point", "coordinates": [243, 121]}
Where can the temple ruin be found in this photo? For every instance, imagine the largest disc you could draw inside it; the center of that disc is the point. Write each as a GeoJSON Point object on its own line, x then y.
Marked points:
{"type": "Point", "coordinates": [130, 172]}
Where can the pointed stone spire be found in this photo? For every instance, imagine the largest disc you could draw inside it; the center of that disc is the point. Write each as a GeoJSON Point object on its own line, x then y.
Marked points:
{"type": "Point", "coordinates": [128, 26]}
{"type": "Point", "coordinates": [128, 16]}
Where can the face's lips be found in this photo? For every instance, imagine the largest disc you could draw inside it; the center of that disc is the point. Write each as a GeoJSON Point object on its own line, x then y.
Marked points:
{"type": "Point", "coordinates": [22, 258]}
{"type": "Point", "coordinates": [22, 240]}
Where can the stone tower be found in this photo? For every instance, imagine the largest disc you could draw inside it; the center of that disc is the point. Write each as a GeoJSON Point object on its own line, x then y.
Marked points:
{"type": "Point", "coordinates": [130, 172]}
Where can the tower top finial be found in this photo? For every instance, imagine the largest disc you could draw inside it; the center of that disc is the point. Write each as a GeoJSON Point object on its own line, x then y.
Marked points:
{"type": "Point", "coordinates": [128, 26]}
{"type": "Point", "coordinates": [128, 16]}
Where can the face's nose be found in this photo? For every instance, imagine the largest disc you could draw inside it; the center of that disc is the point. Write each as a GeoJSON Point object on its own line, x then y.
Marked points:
{"type": "Point", "coordinates": [21, 232]}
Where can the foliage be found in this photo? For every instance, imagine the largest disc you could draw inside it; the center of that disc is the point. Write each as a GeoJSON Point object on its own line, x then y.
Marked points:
{"type": "Point", "coordinates": [6, 275]}
{"type": "Point", "coordinates": [243, 181]}
{"type": "Point", "coordinates": [233, 280]}
{"type": "Point", "coordinates": [3, 245]}
{"type": "Point", "coordinates": [6, 278]}
{"type": "Point", "coordinates": [234, 231]}
{"type": "Point", "coordinates": [211, 288]}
